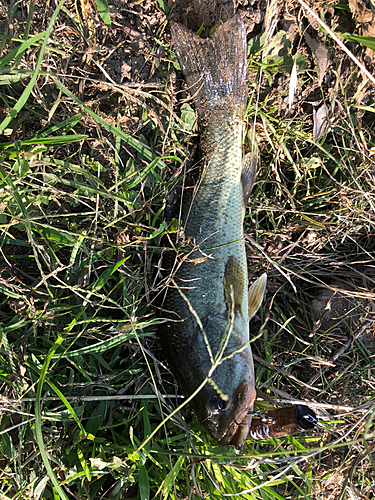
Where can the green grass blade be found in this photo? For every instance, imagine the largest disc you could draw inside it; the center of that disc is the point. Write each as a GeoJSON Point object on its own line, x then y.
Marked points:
{"type": "Point", "coordinates": [57, 391]}
{"type": "Point", "coordinates": [21, 48]}
{"type": "Point", "coordinates": [50, 141]}
{"type": "Point", "coordinates": [97, 348]}
{"type": "Point", "coordinates": [144, 483]}
{"type": "Point", "coordinates": [68, 124]}
{"type": "Point", "coordinates": [131, 141]}
{"type": "Point", "coordinates": [103, 10]}
{"type": "Point", "coordinates": [38, 420]}
{"type": "Point", "coordinates": [367, 41]}
{"type": "Point", "coordinates": [102, 280]}
{"type": "Point", "coordinates": [26, 93]}
{"type": "Point", "coordinates": [166, 485]}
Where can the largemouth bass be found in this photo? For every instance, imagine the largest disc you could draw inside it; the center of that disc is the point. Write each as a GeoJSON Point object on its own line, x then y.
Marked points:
{"type": "Point", "coordinates": [208, 343]}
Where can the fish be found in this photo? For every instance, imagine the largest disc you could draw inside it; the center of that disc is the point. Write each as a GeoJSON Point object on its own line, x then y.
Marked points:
{"type": "Point", "coordinates": [207, 343]}
{"type": "Point", "coordinates": [282, 422]}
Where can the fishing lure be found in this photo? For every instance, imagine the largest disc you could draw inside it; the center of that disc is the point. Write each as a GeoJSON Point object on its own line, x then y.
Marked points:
{"type": "Point", "coordinates": [282, 422]}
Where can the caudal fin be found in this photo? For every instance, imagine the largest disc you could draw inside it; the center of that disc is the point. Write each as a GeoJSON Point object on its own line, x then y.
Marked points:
{"type": "Point", "coordinates": [214, 68]}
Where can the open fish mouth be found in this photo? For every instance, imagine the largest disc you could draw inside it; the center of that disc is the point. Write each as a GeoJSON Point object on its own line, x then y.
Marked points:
{"type": "Point", "coordinates": [238, 421]}
{"type": "Point", "coordinates": [238, 431]}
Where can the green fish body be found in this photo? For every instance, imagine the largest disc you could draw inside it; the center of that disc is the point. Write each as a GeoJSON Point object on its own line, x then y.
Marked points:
{"type": "Point", "coordinates": [209, 337]}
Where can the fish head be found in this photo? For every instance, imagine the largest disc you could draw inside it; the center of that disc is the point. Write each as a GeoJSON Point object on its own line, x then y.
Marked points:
{"type": "Point", "coordinates": [225, 402]}
{"type": "Point", "coordinates": [224, 405]}
{"type": "Point", "coordinates": [229, 417]}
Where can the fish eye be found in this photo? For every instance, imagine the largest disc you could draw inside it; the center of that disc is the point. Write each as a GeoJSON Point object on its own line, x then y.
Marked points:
{"type": "Point", "coordinates": [218, 403]}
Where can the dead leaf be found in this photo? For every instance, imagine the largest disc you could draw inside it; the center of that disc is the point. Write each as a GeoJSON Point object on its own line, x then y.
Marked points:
{"type": "Point", "coordinates": [271, 19]}
{"type": "Point", "coordinates": [292, 84]}
{"type": "Point", "coordinates": [320, 121]}
{"type": "Point", "coordinates": [365, 19]}
{"type": "Point", "coordinates": [321, 55]}
{"type": "Point", "coordinates": [199, 260]}
{"type": "Point", "coordinates": [360, 12]}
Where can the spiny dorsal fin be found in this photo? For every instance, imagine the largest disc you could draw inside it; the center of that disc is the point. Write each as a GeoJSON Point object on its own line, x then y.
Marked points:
{"type": "Point", "coordinates": [233, 284]}
{"type": "Point", "coordinates": [256, 294]}
{"type": "Point", "coordinates": [248, 175]}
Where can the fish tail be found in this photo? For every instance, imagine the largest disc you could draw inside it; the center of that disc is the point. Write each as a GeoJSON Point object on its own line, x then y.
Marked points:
{"type": "Point", "coordinates": [215, 69]}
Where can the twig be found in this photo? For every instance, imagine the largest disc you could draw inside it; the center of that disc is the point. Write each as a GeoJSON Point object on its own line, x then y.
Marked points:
{"type": "Point", "coordinates": [285, 373]}
{"type": "Point", "coordinates": [259, 247]}
{"type": "Point", "coordinates": [338, 353]}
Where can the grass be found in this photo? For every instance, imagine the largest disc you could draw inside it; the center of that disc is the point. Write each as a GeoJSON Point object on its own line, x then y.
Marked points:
{"type": "Point", "coordinates": [89, 409]}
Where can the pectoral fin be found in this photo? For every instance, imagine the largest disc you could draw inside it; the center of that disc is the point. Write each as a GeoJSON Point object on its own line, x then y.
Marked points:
{"type": "Point", "coordinates": [233, 284]}
{"type": "Point", "coordinates": [256, 294]}
{"type": "Point", "coordinates": [248, 175]}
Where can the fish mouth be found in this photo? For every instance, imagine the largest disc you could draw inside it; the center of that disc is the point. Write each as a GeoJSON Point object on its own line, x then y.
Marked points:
{"type": "Point", "coordinates": [239, 418]}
